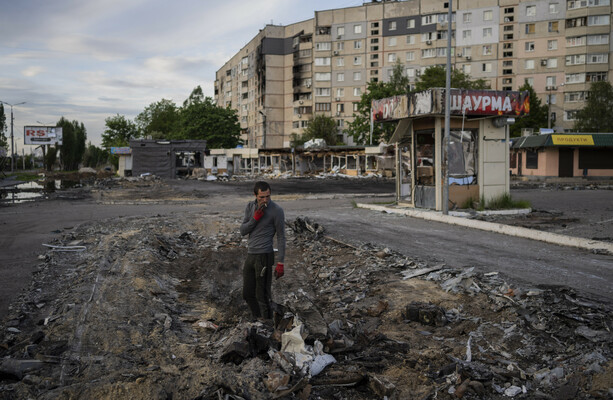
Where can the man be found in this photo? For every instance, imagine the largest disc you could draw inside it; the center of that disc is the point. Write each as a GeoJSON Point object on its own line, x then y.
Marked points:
{"type": "Point", "coordinates": [263, 219]}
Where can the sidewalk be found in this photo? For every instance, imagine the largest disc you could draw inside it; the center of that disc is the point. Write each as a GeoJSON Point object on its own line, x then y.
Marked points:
{"type": "Point", "coordinates": [548, 237]}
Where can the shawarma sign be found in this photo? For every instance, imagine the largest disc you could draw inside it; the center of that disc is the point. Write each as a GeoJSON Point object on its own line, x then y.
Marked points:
{"type": "Point", "coordinates": [463, 102]}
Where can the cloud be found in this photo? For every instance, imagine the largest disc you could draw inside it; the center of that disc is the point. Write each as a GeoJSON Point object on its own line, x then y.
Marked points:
{"type": "Point", "coordinates": [32, 71]}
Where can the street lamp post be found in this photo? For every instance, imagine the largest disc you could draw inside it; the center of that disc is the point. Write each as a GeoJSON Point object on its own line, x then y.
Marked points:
{"type": "Point", "coordinates": [12, 134]}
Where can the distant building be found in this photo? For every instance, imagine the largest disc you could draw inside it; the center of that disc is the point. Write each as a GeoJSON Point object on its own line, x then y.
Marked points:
{"type": "Point", "coordinates": [166, 158]}
{"type": "Point", "coordinates": [287, 74]}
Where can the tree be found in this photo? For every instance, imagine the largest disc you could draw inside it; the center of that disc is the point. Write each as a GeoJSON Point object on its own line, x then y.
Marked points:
{"type": "Point", "coordinates": [95, 156]}
{"type": "Point", "coordinates": [436, 77]}
{"type": "Point", "coordinates": [319, 127]}
{"type": "Point", "coordinates": [50, 157]}
{"type": "Point", "coordinates": [596, 115]}
{"type": "Point", "coordinates": [159, 118]}
{"type": "Point", "coordinates": [119, 130]}
{"type": "Point", "coordinates": [73, 143]}
{"type": "Point", "coordinates": [201, 119]}
{"type": "Point", "coordinates": [3, 127]}
{"type": "Point", "coordinates": [359, 128]}
{"type": "Point", "coordinates": [537, 116]}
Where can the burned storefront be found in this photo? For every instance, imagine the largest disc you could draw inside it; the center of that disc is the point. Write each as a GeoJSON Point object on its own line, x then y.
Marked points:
{"type": "Point", "coordinates": [167, 158]}
{"type": "Point", "coordinates": [477, 159]}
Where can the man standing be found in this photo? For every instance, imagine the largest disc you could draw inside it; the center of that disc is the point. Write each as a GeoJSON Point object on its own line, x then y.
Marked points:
{"type": "Point", "coordinates": [263, 219]}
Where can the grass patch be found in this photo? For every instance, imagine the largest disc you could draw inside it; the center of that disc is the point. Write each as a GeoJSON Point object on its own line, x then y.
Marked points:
{"type": "Point", "coordinates": [502, 202]}
{"type": "Point", "coordinates": [354, 204]}
{"type": "Point", "coordinates": [26, 177]}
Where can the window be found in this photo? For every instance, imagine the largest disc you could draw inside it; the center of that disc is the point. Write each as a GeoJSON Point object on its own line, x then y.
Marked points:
{"type": "Point", "coordinates": [594, 20]}
{"type": "Point", "coordinates": [428, 53]}
{"type": "Point", "coordinates": [530, 11]}
{"type": "Point", "coordinates": [532, 159]}
{"type": "Point", "coordinates": [374, 25]}
{"type": "Point", "coordinates": [529, 64]}
{"type": "Point", "coordinates": [428, 19]}
{"type": "Point", "coordinates": [552, 44]}
{"type": "Point", "coordinates": [552, 63]}
{"type": "Point", "coordinates": [410, 23]}
{"type": "Point", "coordinates": [442, 35]}
{"type": "Point", "coordinates": [466, 52]}
{"type": "Point", "coordinates": [554, 8]}
{"type": "Point", "coordinates": [575, 41]}
{"type": "Point", "coordinates": [487, 15]}
{"type": "Point", "coordinates": [509, 10]}
{"type": "Point", "coordinates": [357, 91]}
{"type": "Point", "coordinates": [529, 46]}
{"type": "Point", "coordinates": [340, 77]}
{"type": "Point", "coordinates": [553, 26]}
{"type": "Point", "coordinates": [597, 39]}
{"type": "Point", "coordinates": [410, 39]}
{"type": "Point", "coordinates": [530, 28]}
{"type": "Point", "coordinates": [340, 108]}
{"type": "Point", "coordinates": [570, 115]}
{"type": "Point", "coordinates": [322, 92]}
{"type": "Point", "coordinates": [576, 59]}
{"type": "Point", "coordinates": [575, 78]}
{"type": "Point", "coordinates": [507, 28]}
{"type": "Point", "coordinates": [427, 36]}
{"type": "Point", "coordinates": [357, 29]}
{"type": "Point", "coordinates": [598, 58]}
{"type": "Point", "coordinates": [487, 33]}
{"type": "Point", "coordinates": [357, 76]}
{"type": "Point", "coordinates": [340, 31]}
{"type": "Point", "coordinates": [466, 34]}
{"type": "Point", "coordinates": [323, 46]}
{"type": "Point", "coordinates": [529, 81]}
{"type": "Point", "coordinates": [573, 97]}
{"type": "Point", "coordinates": [340, 45]}
{"type": "Point", "coordinates": [596, 77]}
{"type": "Point", "coordinates": [576, 22]}
{"type": "Point", "coordinates": [411, 72]}
{"type": "Point", "coordinates": [322, 107]}
{"type": "Point", "coordinates": [357, 60]}
{"type": "Point", "coordinates": [340, 92]}
{"type": "Point", "coordinates": [392, 41]}
{"type": "Point", "coordinates": [391, 57]}
{"type": "Point", "coordinates": [340, 62]}
{"type": "Point", "coordinates": [357, 44]}
{"type": "Point", "coordinates": [321, 61]}
{"type": "Point", "coordinates": [322, 76]}
{"type": "Point", "coordinates": [487, 50]}
{"type": "Point", "coordinates": [391, 25]}
{"type": "Point", "coordinates": [486, 67]}
{"type": "Point", "coordinates": [550, 99]}
{"type": "Point", "coordinates": [442, 51]}
{"type": "Point", "coordinates": [466, 68]}
{"type": "Point", "coordinates": [551, 81]}
{"type": "Point", "coordinates": [305, 53]}
{"type": "Point", "coordinates": [410, 56]}
{"type": "Point", "coordinates": [467, 18]}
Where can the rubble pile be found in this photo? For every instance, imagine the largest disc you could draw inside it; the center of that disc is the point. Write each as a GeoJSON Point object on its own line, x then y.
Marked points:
{"type": "Point", "coordinates": [151, 308]}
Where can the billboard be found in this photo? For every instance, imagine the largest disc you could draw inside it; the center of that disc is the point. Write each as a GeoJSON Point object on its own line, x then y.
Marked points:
{"type": "Point", "coordinates": [390, 108]}
{"type": "Point", "coordinates": [38, 135]}
{"type": "Point", "coordinates": [121, 150]}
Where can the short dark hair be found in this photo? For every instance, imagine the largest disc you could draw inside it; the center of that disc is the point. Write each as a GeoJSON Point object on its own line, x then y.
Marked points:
{"type": "Point", "coordinates": [261, 186]}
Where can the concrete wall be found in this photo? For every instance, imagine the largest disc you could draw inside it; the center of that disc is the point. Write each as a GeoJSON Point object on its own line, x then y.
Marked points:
{"type": "Point", "coordinates": [493, 174]}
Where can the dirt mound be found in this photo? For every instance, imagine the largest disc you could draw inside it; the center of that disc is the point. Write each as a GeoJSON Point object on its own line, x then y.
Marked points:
{"type": "Point", "coordinates": [152, 309]}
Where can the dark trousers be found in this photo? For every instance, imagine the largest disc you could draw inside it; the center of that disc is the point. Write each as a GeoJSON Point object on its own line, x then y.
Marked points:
{"type": "Point", "coordinates": [257, 281]}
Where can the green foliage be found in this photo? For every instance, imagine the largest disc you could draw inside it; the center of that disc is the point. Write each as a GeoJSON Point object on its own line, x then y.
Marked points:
{"type": "Point", "coordinates": [536, 118]}
{"type": "Point", "coordinates": [3, 127]}
{"type": "Point", "coordinates": [50, 157]}
{"type": "Point", "coordinates": [162, 117]}
{"type": "Point", "coordinates": [320, 127]}
{"type": "Point", "coordinates": [502, 202]}
{"type": "Point", "coordinates": [359, 128]}
{"type": "Point", "coordinates": [119, 130]}
{"type": "Point", "coordinates": [596, 115]}
{"type": "Point", "coordinates": [436, 77]}
{"type": "Point", "coordinates": [73, 143]}
{"type": "Point", "coordinates": [95, 156]}
{"type": "Point", "coordinates": [201, 119]}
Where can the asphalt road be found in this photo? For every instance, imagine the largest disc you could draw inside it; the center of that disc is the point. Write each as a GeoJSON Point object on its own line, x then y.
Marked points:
{"type": "Point", "coordinates": [24, 227]}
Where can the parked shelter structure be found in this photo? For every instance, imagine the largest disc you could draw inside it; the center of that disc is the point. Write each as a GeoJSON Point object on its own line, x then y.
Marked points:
{"type": "Point", "coordinates": [167, 158]}
{"type": "Point", "coordinates": [563, 155]}
{"type": "Point", "coordinates": [478, 153]}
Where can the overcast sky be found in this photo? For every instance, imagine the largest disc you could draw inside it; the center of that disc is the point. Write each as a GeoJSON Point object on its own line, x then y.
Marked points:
{"type": "Point", "coordinates": [88, 60]}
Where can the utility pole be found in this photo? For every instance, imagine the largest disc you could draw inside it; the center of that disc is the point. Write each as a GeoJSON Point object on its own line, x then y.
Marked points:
{"type": "Point", "coordinates": [447, 113]}
{"type": "Point", "coordinates": [12, 134]}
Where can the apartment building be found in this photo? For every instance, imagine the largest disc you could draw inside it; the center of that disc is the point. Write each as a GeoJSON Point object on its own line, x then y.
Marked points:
{"type": "Point", "coordinates": [287, 74]}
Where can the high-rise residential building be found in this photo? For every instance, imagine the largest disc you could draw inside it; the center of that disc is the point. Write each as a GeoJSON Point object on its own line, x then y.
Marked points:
{"type": "Point", "coordinates": [287, 74]}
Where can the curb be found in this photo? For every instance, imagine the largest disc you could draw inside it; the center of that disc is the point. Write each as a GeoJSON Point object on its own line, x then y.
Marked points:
{"type": "Point", "coordinates": [548, 237]}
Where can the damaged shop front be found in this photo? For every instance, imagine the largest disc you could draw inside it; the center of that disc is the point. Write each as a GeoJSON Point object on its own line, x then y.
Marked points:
{"type": "Point", "coordinates": [478, 152]}
{"type": "Point", "coordinates": [167, 158]}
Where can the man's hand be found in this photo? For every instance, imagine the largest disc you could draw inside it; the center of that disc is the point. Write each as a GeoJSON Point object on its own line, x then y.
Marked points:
{"type": "Point", "coordinates": [279, 270]}
{"type": "Point", "coordinates": [259, 213]}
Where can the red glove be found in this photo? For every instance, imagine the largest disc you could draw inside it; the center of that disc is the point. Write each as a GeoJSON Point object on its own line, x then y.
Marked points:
{"type": "Point", "coordinates": [279, 270]}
